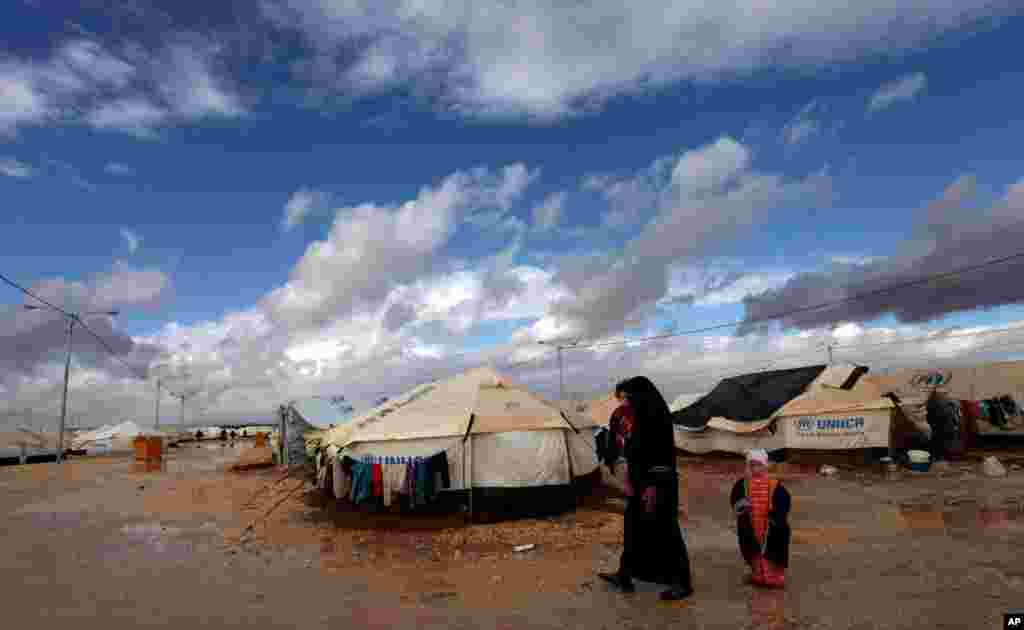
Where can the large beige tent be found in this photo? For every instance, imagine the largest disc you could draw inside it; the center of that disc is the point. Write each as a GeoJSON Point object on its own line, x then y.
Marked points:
{"type": "Point", "coordinates": [507, 448]}
{"type": "Point", "coordinates": [825, 416]}
{"type": "Point", "coordinates": [978, 382]}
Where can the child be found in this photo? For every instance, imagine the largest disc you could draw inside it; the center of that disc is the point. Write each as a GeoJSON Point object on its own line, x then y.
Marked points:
{"type": "Point", "coordinates": [762, 506]}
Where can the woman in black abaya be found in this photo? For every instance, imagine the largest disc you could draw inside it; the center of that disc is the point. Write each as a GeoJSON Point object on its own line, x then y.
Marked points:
{"type": "Point", "coordinates": [653, 549]}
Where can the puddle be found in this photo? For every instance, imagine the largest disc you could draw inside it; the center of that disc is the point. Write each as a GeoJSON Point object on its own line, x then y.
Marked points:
{"type": "Point", "coordinates": [962, 518]}
{"type": "Point", "coordinates": [58, 520]}
{"type": "Point", "coordinates": [149, 466]}
{"type": "Point", "coordinates": [150, 539]}
{"type": "Point", "coordinates": [768, 608]}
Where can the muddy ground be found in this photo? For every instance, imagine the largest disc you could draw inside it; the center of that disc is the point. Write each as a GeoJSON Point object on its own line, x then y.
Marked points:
{"type": "Point", "coordinates": [107, 541]}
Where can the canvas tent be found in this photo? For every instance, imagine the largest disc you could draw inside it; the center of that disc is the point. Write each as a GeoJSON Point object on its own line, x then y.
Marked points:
{"type": "Point", "coordinates": [508, 450]}
{"type": "Point", "coordinates": [978, 382]}
{"type": "Point", "coordinates": [112, 438]}
{"type": "Point", "coordinates": [816, 408]}
{"type": "Point", "coordinates": [302, 420]}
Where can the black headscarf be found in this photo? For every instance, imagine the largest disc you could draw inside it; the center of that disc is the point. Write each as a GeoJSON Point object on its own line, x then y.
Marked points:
{"type": "Point", "coordinates": [648, 404]}
{"type": "Point", "coordinates": [651, 448]}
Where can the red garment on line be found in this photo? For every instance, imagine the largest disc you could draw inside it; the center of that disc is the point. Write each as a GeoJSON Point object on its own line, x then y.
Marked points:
{"type": "Point", "coordinates": [378, 480]}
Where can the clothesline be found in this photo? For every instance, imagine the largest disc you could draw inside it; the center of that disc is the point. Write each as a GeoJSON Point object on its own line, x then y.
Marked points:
{"type": "Point", "coordinates": [370, 458]}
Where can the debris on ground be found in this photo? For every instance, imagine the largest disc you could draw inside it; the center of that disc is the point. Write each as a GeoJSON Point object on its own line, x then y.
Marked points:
{"type": "Point", "coordinates": [521, 548]}
{"type": "Point", "coordinates": [828, 470]}
{"type": "Point", "coordinates": [992, 468]}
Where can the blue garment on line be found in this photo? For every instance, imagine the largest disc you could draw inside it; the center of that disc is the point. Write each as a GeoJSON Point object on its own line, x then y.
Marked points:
{"type": "Point", "coordinates": [362, 482]}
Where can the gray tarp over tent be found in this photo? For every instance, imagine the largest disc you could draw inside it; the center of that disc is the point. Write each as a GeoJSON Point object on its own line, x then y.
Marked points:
{"type": "Point", "coordinates": [751, 397]}
{"type": "Point", "coordinates": [302, 417]}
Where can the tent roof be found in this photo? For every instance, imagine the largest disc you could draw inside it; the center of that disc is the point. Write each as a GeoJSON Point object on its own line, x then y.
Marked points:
{"type": "Point", "coordinates": [443, 409]}
{"type": "Point", "coordinates": [749, 397]}
{"type": "Point", "coordinates": [835, 389]}
{"type": "Point", "coordinates": [320, 412]}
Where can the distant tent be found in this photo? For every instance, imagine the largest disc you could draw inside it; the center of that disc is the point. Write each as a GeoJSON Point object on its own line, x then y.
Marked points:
{"type": "Point", "coordinates": [747, 398]}
{"type": "Point", "coordinates": [118, 437]}
{"type": "Point", "coordinates": [509, 452]}
{"type": "Point", "coordinates": [837, 409]}
{"type": "Point", "coordinates": [303, 419]}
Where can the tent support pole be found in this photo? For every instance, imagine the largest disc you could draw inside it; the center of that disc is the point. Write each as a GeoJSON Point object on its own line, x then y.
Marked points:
{"type": "Point", "coordinates": [467, 474]}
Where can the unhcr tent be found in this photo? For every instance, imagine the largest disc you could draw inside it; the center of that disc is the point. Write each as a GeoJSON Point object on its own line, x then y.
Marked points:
{"type": "Point", "coordinates": [973, 383]}
{"type": "Point", "coordinates": [816, 408]}
{"type": "Point", "coordinates": [509, 452]}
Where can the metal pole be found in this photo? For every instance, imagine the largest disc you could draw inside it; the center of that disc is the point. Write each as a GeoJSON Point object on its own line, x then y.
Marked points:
{"type": "Point", "coordinates": [830, 354]}
{"type": "Point", "coordinates": [561, 379]}
{"type": "Point", "coordinates": [182, 412]}
{"type": "Point", "coordinates": [157, 403]}
{"type": "Point", "coordinates": [64, 397]}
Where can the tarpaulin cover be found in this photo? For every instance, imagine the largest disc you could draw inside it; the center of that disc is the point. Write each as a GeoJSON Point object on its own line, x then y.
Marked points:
{"type": "Point", "coordinates": [748, 398]}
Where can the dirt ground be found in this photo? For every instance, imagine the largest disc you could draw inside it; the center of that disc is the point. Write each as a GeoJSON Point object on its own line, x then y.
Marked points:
{"type": "Point", "coordinates": [109, 541]}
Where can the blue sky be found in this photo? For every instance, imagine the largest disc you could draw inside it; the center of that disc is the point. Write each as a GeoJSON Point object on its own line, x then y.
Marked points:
{"type": "Point", "coordinates": [193, 134]}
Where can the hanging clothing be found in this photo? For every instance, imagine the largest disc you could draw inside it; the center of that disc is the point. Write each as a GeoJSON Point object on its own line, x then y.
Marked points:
{"type": "Point", "coordinates": [439, 475]}
{"type": "Point", "coordinates": [377, 480]}
{"type": "Point", "coordinates": [393, 478]}
{"type": "Point", "coordinates": [762, 507]}
{"type": "Point", "coordinates": [423, 483]}
{"type": "Point", "coordinates": [362, 482]}
{"type": "Point", "coordinates": [409, 483]}
{"type": "Point", "coordinates": [342, 482]}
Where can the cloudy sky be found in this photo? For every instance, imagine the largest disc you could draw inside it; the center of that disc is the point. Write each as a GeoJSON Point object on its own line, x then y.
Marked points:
{"type": "Point", "coordinates": [342, 197]}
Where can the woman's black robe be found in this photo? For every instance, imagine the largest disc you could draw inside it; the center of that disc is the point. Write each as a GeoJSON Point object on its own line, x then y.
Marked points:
{"type": "Point", "coordinates": [777, 546]}
{"type": "Point", "coordinates": [654, 550]}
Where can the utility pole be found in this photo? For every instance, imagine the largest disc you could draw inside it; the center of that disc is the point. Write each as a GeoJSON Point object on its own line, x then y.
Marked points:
{"type": "Point", "coordinates": [561, 368]}
{"type": "Point", "coordinates": [157, 425]}
{"type": "Point", "coordinates": [71, 319]}
{"type": "Point", "coordinates": [829, 348]}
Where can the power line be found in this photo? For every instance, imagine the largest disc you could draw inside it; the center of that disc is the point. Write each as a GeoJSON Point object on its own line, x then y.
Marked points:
{"type": "Point", "coordinates": [805, 309]}
{"type": "Point", "coordinates": [106, 347]}
{"type": "Point", "coordinates": [33, 295]}
{"type": "Point", "coordinates": [931, 338]}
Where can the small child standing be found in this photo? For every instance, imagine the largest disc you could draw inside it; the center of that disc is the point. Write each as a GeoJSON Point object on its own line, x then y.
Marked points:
{"type": "Point", "coordinates": [762, 505]}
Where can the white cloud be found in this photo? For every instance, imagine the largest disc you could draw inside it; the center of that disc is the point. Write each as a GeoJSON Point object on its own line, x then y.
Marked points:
{"type": "Point", "coordinates": [495, 58]}
{"type": "Point", "coordinates": [191, 88]}
{"type": "Point", "coordinates": [299, 205]}
{"type": "Point", "coordinates": [132, 239]}
{"type": "Point", "coordinates": [136, 92]}
{"type": "Point", "coordinates": [372, 248]}
{"type": "Point", "coordinates": [745, 285]}
{"type": "Point", "coordinates": [13, 168]}
{"type": "Point", "coordinates": [904, 89]}
{"type": "Point", "coordinates": [137, 116]}
{"type": "Point", "coordinates": [22, 102]}
{"type": "Point", "coordinates": [803, 126]}
{"type": "Point", "coordinates": [121, 170]}
{"type": "Point", "coordinates": [706, 198]}
{"type": "Point", "coordinates": [548, 214]}
{"type": "Point", "coordinates": [87, 61]}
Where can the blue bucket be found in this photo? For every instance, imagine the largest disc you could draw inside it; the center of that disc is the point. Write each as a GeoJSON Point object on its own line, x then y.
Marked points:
{"type": "Point", "coordinates": [920, 466]}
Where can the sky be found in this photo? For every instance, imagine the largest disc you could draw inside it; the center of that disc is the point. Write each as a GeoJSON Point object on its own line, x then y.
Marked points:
{"type": "Point", "coordinates": [292, 198]}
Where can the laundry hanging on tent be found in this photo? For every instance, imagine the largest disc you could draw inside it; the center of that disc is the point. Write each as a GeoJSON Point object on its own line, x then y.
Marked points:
{"type": "Point", "coordinates": [394, 478]}
{"type": "Point", "coordinates": [378, 481]}
{"type": "Point", "coordinates": [362, 482]}
{"type": "Point", "coordinates": [382, 477]}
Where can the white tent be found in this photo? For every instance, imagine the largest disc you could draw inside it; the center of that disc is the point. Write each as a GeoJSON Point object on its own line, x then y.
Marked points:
{"type": "Point", "coordinates": [825, 416]}
{"type": "Point", "coordinates": [112, 437]}
{"type": "Point", "coordinates": [502, 442]}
